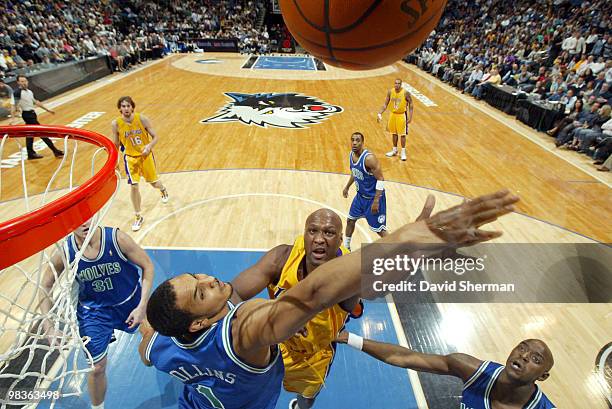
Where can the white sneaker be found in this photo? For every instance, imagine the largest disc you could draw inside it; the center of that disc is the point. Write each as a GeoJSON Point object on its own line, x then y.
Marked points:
{"type": "Point", "coordinates": [164, 196]}
{"type": "Point", "coordinates": [293, 403]}
{"type": "Point", "coordinates": [392, 153]}
{"type": "Point", "coordinates": [403, 157]}
{"type": "Point", "coordinates": [138, 223]}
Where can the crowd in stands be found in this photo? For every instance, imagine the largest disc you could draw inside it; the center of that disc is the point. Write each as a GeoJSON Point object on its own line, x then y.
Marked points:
{"type": "Point", "coordinates": [557, 51]}
{"type": "Point", "coordinates": [37, 34]}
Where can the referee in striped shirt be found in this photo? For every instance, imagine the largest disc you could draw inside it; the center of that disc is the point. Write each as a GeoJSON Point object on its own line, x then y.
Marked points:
{"type": "Point", "coordinates": [25, 102]}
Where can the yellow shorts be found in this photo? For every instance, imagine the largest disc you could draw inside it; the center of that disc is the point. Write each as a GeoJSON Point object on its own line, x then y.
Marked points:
{"type": "Point", "coordinates": [305, 374]}
{"type": "Point", "coordinates": [398, 124]}
{"type": "Point", "coordinates": [140, 165]}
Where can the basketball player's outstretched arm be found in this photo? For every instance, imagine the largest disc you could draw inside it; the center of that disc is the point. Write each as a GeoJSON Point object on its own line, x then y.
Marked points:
{"type": "Point", "coordinates": [263, 323]}
{"type": "Point", "coordinates": [385, 105]}
{"type": "Point", "coordinates": [139, 257]}
{"type": "Point", "coordinates": [459, 365]}
{"type": "Point", "coordinates": [146, 122]}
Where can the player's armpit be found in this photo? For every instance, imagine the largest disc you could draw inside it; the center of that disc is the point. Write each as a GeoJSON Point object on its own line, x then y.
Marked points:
{"type": "Point", "coordinates": [266, 271]}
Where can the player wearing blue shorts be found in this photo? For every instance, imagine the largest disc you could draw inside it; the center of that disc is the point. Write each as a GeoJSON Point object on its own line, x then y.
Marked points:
{"type": "Point", "coordinates": [486, 384]}
{"type": "Point", "coordinates": [370, 201]}
{"type": "Point", "coordinates": [111, 294]}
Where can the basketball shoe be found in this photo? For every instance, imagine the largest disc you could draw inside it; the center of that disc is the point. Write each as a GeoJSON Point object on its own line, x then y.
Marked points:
{"type": "Point", "coordinates": [164, 196]}
{"type": "Point", "coordinates": [392, 152]}
{"type": "Point", "coordinates": [138, 223]}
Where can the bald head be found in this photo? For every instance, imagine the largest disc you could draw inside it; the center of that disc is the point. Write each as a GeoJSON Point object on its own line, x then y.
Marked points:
{"type": "Point", "coordinates": [530, 361]}
{"type": "Point", "coordinates": [325, 215]}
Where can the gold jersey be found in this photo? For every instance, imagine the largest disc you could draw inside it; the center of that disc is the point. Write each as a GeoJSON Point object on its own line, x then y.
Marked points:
{"type": "Point", "coordinates": [132, 136]}
{"type": "Point", "coordinates": [398, 101]}
{"type": "Point", "coordinates": [325, 326]}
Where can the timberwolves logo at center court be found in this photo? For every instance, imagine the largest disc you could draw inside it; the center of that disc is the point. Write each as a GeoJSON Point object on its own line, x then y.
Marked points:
{"type": "Point", "coordinates": [282, 110]}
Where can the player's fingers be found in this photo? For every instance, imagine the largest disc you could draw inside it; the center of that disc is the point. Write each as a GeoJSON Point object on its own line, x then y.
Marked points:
{"type": "Point", "coordinates": [499, 203]}
{"type": "Point", "coordinates": [428, 207]}
{"type": "Point", "coordinates": [491, 196]}
{"type": "Point", "coordinates": [491, 215]}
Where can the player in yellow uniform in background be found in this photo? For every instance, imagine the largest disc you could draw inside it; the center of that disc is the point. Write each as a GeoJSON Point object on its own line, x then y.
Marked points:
{"type": "Point", "coordinates": [399, 118]}
{"type": "Point", "coordinates": [307, 355]}
{"type": "Point", "coordinates": [133, 134]}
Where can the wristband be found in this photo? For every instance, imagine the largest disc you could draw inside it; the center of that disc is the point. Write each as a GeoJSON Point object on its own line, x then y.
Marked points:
{"type": "Point", "coordinates": [380, 185]}
{"type": "Point", "coordinates": [355, 341]}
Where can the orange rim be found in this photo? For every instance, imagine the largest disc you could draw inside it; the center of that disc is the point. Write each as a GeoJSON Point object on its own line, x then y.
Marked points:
{"type": "Point", "coordinates": [32, 232]}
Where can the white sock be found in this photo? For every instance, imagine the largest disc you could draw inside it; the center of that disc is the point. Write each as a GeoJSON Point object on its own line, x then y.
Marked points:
{"type": "Point", "coordinates": [100, 406]}
{"type": "Point", "coordinates": [395, 149]}
{"type": "Point", "coordinates": [403, 150]}
{"type": "Point", "coordinates": [347, 242]}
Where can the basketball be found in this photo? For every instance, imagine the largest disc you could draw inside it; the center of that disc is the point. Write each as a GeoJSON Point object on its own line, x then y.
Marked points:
{"type": "Point", "coordinates": [361, 35]}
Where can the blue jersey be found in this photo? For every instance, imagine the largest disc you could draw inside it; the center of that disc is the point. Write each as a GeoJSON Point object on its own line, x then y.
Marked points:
{"type": "Point", "coordinates": [213, 375]}
{"type": "Point", "coordinates": [477, 389]}
{"type": "Point", "coordinates": [365, 182]}
{"type": "Point", "coordinates": [109, 279]}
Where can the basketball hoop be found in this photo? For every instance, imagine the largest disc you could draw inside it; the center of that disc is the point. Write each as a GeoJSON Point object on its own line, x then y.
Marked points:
{"type": "Point", "coordinates": [30, 358]}
{"type": "Point", "coordinates": [30, 233]}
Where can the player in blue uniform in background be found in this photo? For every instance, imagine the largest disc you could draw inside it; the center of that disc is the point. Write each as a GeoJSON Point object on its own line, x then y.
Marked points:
{"type": "Point", "coordinates": [486, 385]}
{"type": "Point", "coordinates": [111, 294]}
{"type": "Point", "coordinates": [370, 201]}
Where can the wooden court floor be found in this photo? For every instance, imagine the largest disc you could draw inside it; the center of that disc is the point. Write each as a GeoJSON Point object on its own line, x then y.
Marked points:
{"type": "Point", "coordinates": [245, 186]}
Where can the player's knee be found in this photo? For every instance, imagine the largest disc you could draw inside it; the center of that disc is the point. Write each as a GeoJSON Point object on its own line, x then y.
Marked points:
{"type": "Point", "coordinates": [99, 368]}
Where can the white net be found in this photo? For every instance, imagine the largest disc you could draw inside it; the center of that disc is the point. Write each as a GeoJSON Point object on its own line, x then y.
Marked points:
{"type": "Point", "coordinates": [41, 354]}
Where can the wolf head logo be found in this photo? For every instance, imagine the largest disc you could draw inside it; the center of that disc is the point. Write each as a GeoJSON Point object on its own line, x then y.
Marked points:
{"type": "Point", "coordinates": [282, 110]}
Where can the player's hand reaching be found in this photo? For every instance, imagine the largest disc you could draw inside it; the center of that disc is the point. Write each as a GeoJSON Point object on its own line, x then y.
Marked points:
{"type": "Point", "coordinates": [342, 337]}
{"type": "Point", "coordinates": [146, 150]}
{"type": "Point", "coordinates": [137, 316]}
{"type": "Point", "coordinates": [345, 192]}
{"type": "Point", "coordinates": [460, 225]}
{"type": "Point", "coordinates": [432, 236]}
{"type": "Point", "coordinates": [430, 203]}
